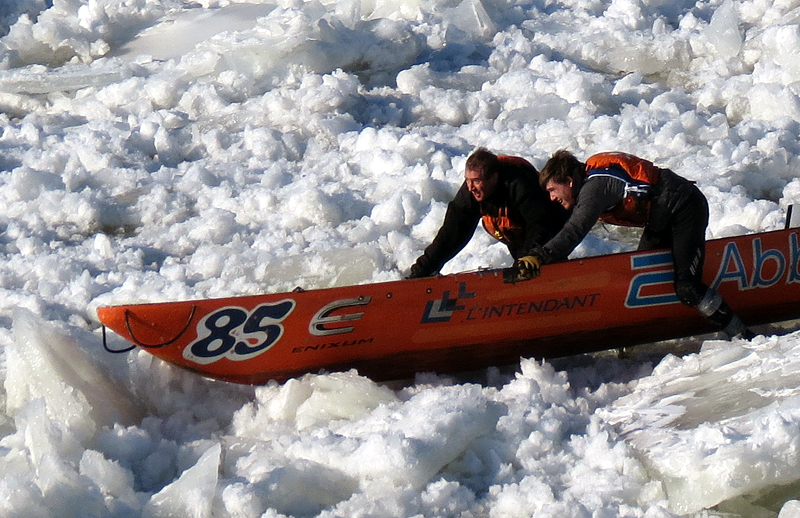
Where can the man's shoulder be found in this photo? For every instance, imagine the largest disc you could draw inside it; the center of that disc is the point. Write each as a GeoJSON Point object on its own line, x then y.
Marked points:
{"type": "Point", "coordinates": [517, 169]}
{"type": "Point", "coordinates": [606, 174]}
{"type": "Point", "coordinates": [516, 162]}
{"type": "Point", "coordinates": [523, 181]}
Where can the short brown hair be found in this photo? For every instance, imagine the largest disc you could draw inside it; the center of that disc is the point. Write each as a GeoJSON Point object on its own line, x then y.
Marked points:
{"type": "Point", "coordinates": [561, 168]}
{"type": "Point", "coordinates": [484, 162]}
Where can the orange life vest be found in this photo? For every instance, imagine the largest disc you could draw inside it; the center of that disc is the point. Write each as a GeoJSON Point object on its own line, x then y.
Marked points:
{"type": "Point", "coordinates": [500, 225]}
{"type": "Point", "coordinates": [639, 176]}
{"type": "Point", "coordinates": [502, 228]}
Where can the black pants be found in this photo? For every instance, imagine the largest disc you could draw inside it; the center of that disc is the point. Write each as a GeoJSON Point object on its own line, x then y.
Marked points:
{"type": "Point", "coordinates": [685, 234]}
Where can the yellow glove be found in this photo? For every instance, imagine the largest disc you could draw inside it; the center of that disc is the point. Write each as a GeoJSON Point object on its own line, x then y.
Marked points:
{"type": "Point", "coordinates": [529, 267]}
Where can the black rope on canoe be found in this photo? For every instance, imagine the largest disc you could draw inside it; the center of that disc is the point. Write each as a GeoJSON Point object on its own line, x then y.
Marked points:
{"type": "Point", "coordinates": [164, 344]}
{"type": "Point", "coordinates": [115, 351]}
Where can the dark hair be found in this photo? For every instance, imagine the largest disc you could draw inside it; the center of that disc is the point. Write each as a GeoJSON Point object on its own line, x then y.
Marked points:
{"type": "Point", "coordinates": [484, 162]}
{"type": "Point", "coordinates": [561, 168]}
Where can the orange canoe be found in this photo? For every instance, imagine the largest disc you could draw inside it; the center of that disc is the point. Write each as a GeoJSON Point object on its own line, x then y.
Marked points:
{"type": "Point", "coordinates": [463, 321]}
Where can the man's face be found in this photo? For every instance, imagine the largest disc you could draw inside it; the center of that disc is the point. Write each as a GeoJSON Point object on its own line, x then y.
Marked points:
{"type": "Point", "coordinates": [480, 186]}
{"type": "Point", "coordinates": [561, 193]}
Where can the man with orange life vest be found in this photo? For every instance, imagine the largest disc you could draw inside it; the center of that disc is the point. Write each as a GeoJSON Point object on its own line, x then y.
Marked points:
{"type": "Point", "coordinates": [622, 189]}
{"type": "Point", "coordinates": [504, 193]}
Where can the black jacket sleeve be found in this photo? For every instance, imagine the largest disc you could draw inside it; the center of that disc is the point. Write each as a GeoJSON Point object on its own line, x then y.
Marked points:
{"type": "Point", "coordinates": [595, 197]}
{"type": "Point", "coordinates": [459, 224]}
{"type": "Point", "coordinates": [542, 218]}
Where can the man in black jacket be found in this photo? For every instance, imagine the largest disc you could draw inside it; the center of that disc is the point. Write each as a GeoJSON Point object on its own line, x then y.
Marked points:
{"type": "Point", "coordinates": [504, 193]}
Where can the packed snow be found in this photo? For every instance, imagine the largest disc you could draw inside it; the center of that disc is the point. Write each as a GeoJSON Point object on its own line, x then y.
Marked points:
{"type": "Point", "coordinates": [156, 150]}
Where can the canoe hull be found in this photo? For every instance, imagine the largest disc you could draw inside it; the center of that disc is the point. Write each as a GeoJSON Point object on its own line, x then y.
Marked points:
{"type": "Point", "coordinates": [463, 321]}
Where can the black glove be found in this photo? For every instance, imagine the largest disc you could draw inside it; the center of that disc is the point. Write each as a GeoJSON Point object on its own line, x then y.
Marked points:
{"type": "Point", "coordinates": [417, 272]}
{"type": "Point", "coordinates": [529, 267]}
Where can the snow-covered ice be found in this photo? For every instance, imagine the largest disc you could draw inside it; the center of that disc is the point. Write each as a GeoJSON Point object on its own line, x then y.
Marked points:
{"type": "Point", "coordinates": [163, 149]}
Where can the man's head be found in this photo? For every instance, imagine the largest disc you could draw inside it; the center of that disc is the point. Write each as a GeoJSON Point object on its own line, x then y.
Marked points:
{"type": "Point", "coordinates": [482, 173]}
{"type": "Point", "coordinates": [560, 177]}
